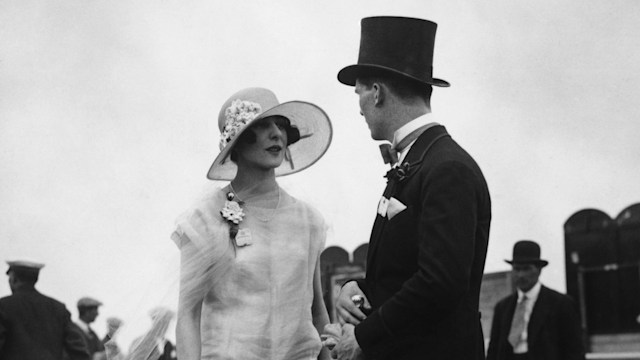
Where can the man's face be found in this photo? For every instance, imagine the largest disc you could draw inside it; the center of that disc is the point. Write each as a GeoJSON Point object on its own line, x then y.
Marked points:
{"type": "Point", "coordinates": [91, 314]}
{"type": "Point", "coordinates": [368, 109]}
{"type": "Point", "coordinates": [525, 276]}
{"type": "Point", "coordinates": [12, 281]}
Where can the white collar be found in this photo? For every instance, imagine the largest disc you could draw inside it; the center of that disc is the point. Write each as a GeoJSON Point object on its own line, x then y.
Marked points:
{"type": "Point", "coordinates": [411, 126]}
{"type": "Point", "coordinates": [83, 325]}
{"type": "Point", "coordinates": [532, 294]}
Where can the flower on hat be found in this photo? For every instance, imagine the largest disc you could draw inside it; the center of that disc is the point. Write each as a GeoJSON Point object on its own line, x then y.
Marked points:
{"type": "Point", "coordinates": [237, 115]}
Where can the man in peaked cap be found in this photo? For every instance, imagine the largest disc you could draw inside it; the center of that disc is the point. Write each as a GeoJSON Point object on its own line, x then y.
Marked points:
{"type": "Point", "coordinates": [429, 240]}
{"type": "Point", "coordinates": [87, 313]}
{"type": "Point", "coordinates": [535, 322]}
{"type": "Point", "coordinates": [35, 326]}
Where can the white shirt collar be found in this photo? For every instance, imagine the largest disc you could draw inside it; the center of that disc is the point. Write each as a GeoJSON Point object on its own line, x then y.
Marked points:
{"type": "Point", "coordinates": [83, 325]}
{"type": "Point", "coordinates": [408, 128]}
{"type": "Point", "coordinates": [532, 294]}
{"type": "Point", "coordinates": [412, 125]}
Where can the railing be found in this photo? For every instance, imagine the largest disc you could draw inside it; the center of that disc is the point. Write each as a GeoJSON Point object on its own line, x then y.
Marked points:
{"type": "Point", "coordinates": [614, 356]}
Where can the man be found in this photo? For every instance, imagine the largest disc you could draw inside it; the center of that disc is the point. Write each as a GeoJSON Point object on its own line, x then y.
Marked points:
{"type": "Point", "coordinates": [535, 323]}
{"type": "Point", "coordinates": [429, 240]}
{"type": "Point", "coordinates": [87, 313]}
{"type": "Point", "coordinates": [32, 325]}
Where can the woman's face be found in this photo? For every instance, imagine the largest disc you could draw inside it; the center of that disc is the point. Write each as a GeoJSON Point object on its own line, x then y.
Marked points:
{"type": "Point", "coordinates": [267, 152]}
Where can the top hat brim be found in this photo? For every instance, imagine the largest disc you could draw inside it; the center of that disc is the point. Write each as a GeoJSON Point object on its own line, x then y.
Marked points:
{"type": "Point", "coordinates": [315, 137]}
{"type": "Point", "coordinates": [350, 74]}
{"type": "Point", "coordinates": [539, 262]}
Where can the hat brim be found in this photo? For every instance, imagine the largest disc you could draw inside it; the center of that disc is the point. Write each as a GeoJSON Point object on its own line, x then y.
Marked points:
{"type": "Point", "coordinates": [539, 262]}
{"type": "Point", "coordinates": [350, 74]}
{"type": "Point", "coordinates": [315, 136]}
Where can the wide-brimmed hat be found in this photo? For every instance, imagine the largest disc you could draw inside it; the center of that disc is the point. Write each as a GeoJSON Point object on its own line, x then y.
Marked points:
{"type": "Point", "coordinates": [527, 252]}
{"type": "Point", "coordinates": [395, 45]}
{"type": "Point", "coordinates": [247, 106]}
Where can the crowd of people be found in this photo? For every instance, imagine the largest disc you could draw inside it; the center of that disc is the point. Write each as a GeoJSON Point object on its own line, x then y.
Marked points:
{"type": "Point", "coordinates": [249, 271]}
{"type": "Point", "coordinates": [36, 326]}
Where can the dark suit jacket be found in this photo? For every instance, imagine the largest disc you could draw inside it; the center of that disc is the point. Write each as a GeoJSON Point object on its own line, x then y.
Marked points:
{"type": "Point", "coordinates": [94, 344]}
{"type": "Point", "coordinates": [554, 331]}
{"type": "Point", "coordinates": [425, 265]}
{"type": "Point", "coordinates": [34, 326]}
{"type": "Point", "coordinates": [169, 351]}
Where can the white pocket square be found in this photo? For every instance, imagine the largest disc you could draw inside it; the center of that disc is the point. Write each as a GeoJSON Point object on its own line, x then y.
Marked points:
{"type": "Point", "coordinates": [394, 208]}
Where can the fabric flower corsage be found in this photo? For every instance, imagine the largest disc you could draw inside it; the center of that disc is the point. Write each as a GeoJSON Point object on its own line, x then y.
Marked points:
{"type": "Point", "coordinates": [237, 115]}
{"type": "Point", "coordinates": [398, 173]}
{"type": "Point", "coordinates": [233, 213]}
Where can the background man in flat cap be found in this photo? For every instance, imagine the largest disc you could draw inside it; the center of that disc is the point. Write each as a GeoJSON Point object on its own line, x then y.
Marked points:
{"type": "Point", "coordinates": [429, 241]}
{"type": "Point", "coordinates": [535, 322]}
{"type": "Point", "coordinates": [35, 326]}
{"type": "Point", "coordinates": [87, 313]}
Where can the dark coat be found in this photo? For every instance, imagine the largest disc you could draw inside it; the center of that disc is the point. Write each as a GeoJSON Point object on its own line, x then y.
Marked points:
{"type": "Point", "coordinates": [35, 326]}
{"type": "Point", "coordinates": [425, 265]}
{"type": "Point", "coordinates": [554, 331]}
{"type": "Point", "coordinates": [94, 344]}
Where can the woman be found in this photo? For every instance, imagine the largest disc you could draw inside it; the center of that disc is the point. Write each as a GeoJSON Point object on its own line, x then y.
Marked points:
{"type": "Point", "coordinates": [249, 269]}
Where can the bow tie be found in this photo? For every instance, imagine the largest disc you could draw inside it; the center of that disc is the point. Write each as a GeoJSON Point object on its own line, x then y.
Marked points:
{"type": "Point", "coordinates": [390, 152]}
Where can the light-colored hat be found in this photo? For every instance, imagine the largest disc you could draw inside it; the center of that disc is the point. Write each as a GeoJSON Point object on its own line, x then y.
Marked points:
{"type": "Point", "coordinates": [161, 312]}
{"type": "Point", "coordinates": [88, 302]}
{"type": "Point", "coordinates": [250, 105]}
{"type": "Point", "coordinates": [24, 264]}
{"type": "Point", "coordinates": [114, 321]}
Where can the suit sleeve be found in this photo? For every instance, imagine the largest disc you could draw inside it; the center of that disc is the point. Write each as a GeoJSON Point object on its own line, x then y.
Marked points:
{"type": "Point", "coordinates": [446, 245]}
{"type": "Point", "coordinates": [74, 343]}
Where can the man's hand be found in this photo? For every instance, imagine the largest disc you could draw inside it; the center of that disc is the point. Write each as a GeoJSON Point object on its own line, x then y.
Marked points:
{"type": "Point", "coordinates": [347, 311]}
{"type": "Point", "coordinates": [347, 348]}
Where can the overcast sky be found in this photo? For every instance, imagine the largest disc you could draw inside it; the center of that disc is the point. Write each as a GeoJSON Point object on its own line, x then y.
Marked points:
{"type": "Point", "coordinates": [108, 123]}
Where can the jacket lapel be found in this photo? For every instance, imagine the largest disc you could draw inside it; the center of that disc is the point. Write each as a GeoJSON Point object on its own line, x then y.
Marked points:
{"type": "Point", "coordinates": [414, 158]}
{"type": "Point", "coordinates": [538, 314]}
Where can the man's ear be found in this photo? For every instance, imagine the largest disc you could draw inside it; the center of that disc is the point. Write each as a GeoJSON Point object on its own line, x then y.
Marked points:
{"type": "Point", "coordinates": [379, 92]}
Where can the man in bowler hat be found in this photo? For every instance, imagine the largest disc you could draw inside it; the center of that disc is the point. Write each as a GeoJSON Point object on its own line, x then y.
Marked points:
{"type": "Point", "coordinates": [429, 240]}
{"type": "Point", "coordinates": [35, 326]}
{"type": "Point", "coordinates": [535, 322]}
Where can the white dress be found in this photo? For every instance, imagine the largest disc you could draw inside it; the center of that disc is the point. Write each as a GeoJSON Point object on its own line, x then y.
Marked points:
{"type": "Point", "coordinates": [258, 297]}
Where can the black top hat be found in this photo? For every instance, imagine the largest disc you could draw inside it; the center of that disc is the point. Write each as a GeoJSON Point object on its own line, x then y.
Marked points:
{"type": "Point", "coordinates": [396, 45]}
{"type": "Point", "coordinates": [527, 252]}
